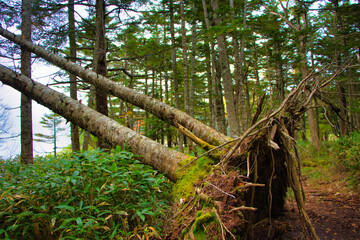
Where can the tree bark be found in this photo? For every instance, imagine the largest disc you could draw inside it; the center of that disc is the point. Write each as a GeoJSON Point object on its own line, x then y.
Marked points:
{"type": "Point", "coordinates": [218, 103]}
{"type": "Point", "coordinates": [239, 76]}
{"type": "Point", "coordinates": [75, 142]}
{"type": "Point", "coordinates": [312, 112]}
{"type": "Point", "coordinates": [99, 62]}
{"type": "Point", "coordinates": [232, 113]}
{"type": "Point", "coordinates": [340, 84]}
{"type": "Point", "coordinates": [155, 107]}
{"type": "Point", "coordinates": [193, 66]}
{"type": "Point", "coordinates": [87, 136]}
{"type": "Point", "coordinates": [185, 60]}
{"type": "Point", "coordinates": [180, 140]}
{"type": "Point", "coordinates": [26, 115]}
{"type": "Point", "coordinates": [279, 70]}
{"type": "Point", "coordinates": [154, 154]}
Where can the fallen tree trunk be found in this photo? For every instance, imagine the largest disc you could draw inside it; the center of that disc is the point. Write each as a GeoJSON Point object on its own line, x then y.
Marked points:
{"type": "Point", "coordinates": [153, 153]}
{"type": "Point", "coordinates": [151, 105]}
{"type": "Point", "coordinates": [214, 200]}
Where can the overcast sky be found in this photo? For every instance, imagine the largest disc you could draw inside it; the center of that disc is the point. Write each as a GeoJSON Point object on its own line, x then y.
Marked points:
{"type": "Point", "coordinates": [11, 98]}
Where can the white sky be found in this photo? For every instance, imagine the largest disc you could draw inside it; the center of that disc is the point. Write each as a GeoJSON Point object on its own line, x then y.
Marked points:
{"type": "Point", "coordinates": [11, 98]}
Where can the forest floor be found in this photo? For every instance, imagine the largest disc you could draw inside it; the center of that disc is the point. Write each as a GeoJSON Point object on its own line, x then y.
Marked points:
{"type": "Point", "coordinates": [333, 208]}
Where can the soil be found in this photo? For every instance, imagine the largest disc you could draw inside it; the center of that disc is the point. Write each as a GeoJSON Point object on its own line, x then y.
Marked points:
{"type": "Point", "coordinates": [333, 208]}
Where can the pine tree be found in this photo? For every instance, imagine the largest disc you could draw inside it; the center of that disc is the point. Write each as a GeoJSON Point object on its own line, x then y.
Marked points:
{"type": "Point", "coordinates": [52, 122]}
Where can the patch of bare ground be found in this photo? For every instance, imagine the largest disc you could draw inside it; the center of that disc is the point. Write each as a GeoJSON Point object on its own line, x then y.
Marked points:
{"type": "Point", "coordinates": [334, 210]}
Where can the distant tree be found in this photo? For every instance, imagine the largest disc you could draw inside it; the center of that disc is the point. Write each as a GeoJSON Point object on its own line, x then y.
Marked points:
{"type": "Point", "coordinates": [52, 122]}
{"type": "Point", "coordinates": [4, 122]}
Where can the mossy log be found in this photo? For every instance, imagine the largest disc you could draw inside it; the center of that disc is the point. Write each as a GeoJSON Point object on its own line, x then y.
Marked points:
{"type": "Point", "coordinates": [222, 202]}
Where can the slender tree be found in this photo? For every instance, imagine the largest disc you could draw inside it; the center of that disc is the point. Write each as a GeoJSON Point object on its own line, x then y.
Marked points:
{"type": "Point", "coordinates": [99, 61]}
{"type": "Point", "coordinates": [175, 77]}
{"type": "Point", "coordinates": [301, 27]}
{"type": "Point", "coordinates": [217, 95]}
{"type": "Point", "coordinates": [232, 112]}
{"type": "Point", "coordinates": [75, 142]}
{"type": "Point", "coordinates": [26, 116]}
{"type": "Point", "coordinates": [51, 122]}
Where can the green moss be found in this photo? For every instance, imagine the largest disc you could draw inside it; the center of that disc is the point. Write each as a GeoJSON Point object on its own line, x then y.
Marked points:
{"type": "Point", "coordinates": [202, 219]}
{"type": "Point", "coordinates": [191, 174]}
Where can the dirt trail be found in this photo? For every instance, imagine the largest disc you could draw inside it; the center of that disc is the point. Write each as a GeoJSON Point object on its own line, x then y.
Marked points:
{"type": "Point", "coordinates": [333, 209]}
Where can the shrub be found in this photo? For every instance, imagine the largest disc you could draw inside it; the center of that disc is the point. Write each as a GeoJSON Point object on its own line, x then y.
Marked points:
{"type": "Point", "coordinates": [93, 195]}
{"type": "Point", "coordinates": [348, 151]}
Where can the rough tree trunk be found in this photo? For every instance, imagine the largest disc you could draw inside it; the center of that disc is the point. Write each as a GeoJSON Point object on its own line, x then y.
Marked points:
{"type": "Point", "coordinates": [151, 105]}
{"type": "Point", "coordinates": [26, 116]}
{"type": "Point", "coordinates": [233, 121]}
{"type": "Point", "coordinates": [99, 63]}
{"type": "Point", "coordinates": [218, 104]}
{"type": "Point", "coordinates": [180, 139]}
{"type": "Point", "coordinates": [154, 154]}
{"type": "Point", "coordinates": [75, 142]}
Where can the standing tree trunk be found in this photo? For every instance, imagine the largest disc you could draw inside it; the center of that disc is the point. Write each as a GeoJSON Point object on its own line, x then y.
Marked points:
{"type": "Point", "coordinates": [193, 66]}
{"type": "Point", "coordinates": [232, 112]}
{"type": "Point", "coordinates": [312, 112]}
{"type": "Point", "coordinates": [99, 62]}
{"type": "Point", "coordinates": [300, 30]}
{"type": "Point", "coordinates": [26, 116]}
{"type": "Point", "coordinates": [340, 84]}
{"type": "Point", "coordinates": [187, 95]}
{"type": "Point", "coordinates": [180, 139]}
{"type": "Point", "coordinates": [280, 84]}
{"type": "Point", "coordinates": [54, 133]}
{"type": "Point", "coordinates": [185, 60]}
{"type": "Point", "coordinates": [218, 103]}
{"type": "Point", "coordinates": [75, 142]}
{"type": "Point", "coordinates": [238, 73]}
{"type": "Point", "coordinates": [87, 135]}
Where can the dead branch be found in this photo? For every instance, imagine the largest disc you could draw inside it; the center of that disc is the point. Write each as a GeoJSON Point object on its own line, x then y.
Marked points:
{"type": "Point", "coordinates": [246, 185]}
{"type": "Point", "coordinates": [223, 226]}
{"type": "Point", "coordinates": [243, 208]}
{"type": "Point", "coordinates": [228, 194]}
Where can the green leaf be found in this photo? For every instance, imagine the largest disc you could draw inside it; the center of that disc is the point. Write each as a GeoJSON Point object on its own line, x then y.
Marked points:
{"type": "Point", "coordinates": [75, 173]}
{"type": "Point", "coordinates": [66, 207]}
{"type": "Point", "coordinates": [90, 222]}
{"type": "Point", "coordinates": [79, 222]}
{"type": "Point", "coordinates": [113, 233]}
{"type": "Point", "coordinates": [114, 167]}
{"type": "Point", "coordinates": [141, 216]}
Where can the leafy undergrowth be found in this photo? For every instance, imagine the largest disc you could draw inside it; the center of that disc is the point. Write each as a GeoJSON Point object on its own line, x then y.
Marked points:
{"type": "Point", "coordinates": [93, 195]}
{"type": "Point", "coordinates": [332, 197]}
{"type": "Point", "coordinates": [340, 157]}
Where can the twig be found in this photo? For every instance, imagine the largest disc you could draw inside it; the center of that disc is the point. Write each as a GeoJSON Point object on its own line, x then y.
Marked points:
{"type": "Point", "coordinates": [243, 208]}
{"type": "Point", "coordinates": [223, 226]}
{"type": "Point", "coordinates": [228, 194]}
{"type": "Point", "coordinates": [252, 185]}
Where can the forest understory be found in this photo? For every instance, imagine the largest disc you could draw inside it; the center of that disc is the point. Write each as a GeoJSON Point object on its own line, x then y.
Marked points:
{"type": "Point", "coordinates": [332, 205]}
